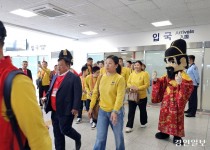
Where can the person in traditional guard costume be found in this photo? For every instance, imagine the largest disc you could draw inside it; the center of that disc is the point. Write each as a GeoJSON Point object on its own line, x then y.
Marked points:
{"type": "Point", "coordinates": [173, 90]}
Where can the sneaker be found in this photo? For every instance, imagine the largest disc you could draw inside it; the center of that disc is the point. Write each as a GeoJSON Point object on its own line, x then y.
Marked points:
{"type": "Point", "coordinates": [79, 120]}
{"type": "Point", "coordinates": [93, 125]}
{"type": "Point", "coordinates": [143, 126]}
{"type": "Point", "coordinates": [128, 130]}
{"type": "Point", "coordinates": [91, 120]}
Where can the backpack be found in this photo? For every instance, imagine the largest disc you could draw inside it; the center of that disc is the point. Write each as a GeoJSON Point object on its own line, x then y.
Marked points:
{"type": "Point", "coordinates": [9, 111]}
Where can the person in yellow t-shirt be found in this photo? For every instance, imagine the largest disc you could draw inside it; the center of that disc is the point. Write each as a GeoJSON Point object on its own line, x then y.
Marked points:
{"type": "Point", "coordinates": [111, 90]}
{"type": "Point", "coordinates": [102, 71]}
{"type": "Point", "coordinates": [138, 81]}
{"type": "Point", "coordinates": [129, 67]}
{"type": "Point", "coordinates": [124, 71]}
{"type": "Point", "coordinates": [44, 74]}
{"type": "Point", "coordinates": [143, 67]}
{"type": "Point", "coordinates": [84, 94]}
{"type": "Point", "coordinates": [90, 83]}
{"type": "Point", "coordinates": [101, 64]}
{"type": "Point", "coordinates": [24, 106]}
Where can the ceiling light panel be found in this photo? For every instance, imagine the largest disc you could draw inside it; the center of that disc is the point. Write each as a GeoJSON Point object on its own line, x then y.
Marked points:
{"type": "Point", "coordinates": [23, 13]}
{"type": "Point", "coordinates": [89, 33]}
{"type": "Point", "coordinates": [162, 23]}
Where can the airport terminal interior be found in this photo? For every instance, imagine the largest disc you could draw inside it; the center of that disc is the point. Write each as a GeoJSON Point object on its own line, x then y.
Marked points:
{"type": "Point", "coordinates": [124, 28]}
{"type": "Point", "coordinates": [197, 134]}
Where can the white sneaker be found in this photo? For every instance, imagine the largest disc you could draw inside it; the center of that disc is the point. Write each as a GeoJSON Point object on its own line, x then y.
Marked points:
{"type": "Point", "coordinates": [128, 130]}
{"type": "Point", "coordinates": [143, 126]}
{"type": "Point", "coordinates": [91, 120]}
{"type": "Point", "coordinates": [93, 125]}
{"type": "Point", "coordinates": [79, 120]}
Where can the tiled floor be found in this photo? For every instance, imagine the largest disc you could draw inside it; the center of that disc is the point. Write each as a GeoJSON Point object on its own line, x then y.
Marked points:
{"type": "Point", "coordinates": [144, 138]}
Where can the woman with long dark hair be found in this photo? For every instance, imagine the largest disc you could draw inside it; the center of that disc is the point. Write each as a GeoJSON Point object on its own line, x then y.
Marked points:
{"type": "Point", "coordinates": [139, 82]}
{"type": "Point", "coordinates": [111, 90]}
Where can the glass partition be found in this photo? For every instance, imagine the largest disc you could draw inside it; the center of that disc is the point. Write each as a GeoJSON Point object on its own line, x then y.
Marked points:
{"type": "Point", "coordinates": [154, 61]}
{"type": "Point", "coordinates": [96, 56]}
{"type": "Point", "coordinates": [17, 61]}
{"type": "Point", "coordinates": [198, 53]}
{"type": "Point", "coordinates": [32, 63]}
{"type": "Point", "coordinates": [206, 81]}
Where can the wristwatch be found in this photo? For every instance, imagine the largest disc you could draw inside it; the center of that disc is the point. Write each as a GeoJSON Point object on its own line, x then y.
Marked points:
{"type": "Point", "coordinates": [116, 112]}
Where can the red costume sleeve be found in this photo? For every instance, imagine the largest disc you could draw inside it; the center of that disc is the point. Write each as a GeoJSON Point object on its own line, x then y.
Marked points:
{"type": "Point", "coordinates": [158, 89]}
{"type": "Point", "coordinates": [184, 91]}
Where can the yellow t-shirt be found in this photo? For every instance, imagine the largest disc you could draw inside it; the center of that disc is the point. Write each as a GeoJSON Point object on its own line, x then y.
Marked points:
{"type": "Point", "coordinates": [125, 73]}
{"type": "Point", "coordinates": [129, 70]}
{"type": "Point", "coordinates": [90, 82]}
{"type": "Point", "coordinates": [28, 113]}
{"type": "Point", "coordinates": [112, 91]}
{"type": "Point", "coordinates": [102, 71]}
{"type": "Point", "coordinates": [141, 81]}
{"type": "Point", "coordinates": [44, 74]}
{"type": "Point", "coordinates": [84, 94]}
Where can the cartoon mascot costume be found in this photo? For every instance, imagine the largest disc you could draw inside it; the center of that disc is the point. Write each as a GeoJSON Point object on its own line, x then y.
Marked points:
{"type": "Point", "coordinates": [173, 90]}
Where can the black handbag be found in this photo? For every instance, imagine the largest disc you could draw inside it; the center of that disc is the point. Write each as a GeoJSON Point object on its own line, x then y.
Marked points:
{"type": "Point", "coordinates": [38, 82]}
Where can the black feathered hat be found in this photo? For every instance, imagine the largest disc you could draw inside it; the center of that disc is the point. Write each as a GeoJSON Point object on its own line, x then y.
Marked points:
{"type": "Point", "coordinates": [177, 48]}
{"type": "Point", "coordinates": [65, 54]}
{"type": "Point", "coordinates": [3, 32]}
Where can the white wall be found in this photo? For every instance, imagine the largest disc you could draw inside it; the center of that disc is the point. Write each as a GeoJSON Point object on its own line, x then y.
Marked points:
{"type": "Point", "coordinates": [110, 44]}
{"type": "Point", "coordinates": [96, 45]}
{"type": "Point", "coordinates": [52, 42]}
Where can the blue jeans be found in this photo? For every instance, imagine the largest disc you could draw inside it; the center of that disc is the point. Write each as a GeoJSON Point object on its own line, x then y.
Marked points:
{"type": "Point", "coordinates": [102, 130]}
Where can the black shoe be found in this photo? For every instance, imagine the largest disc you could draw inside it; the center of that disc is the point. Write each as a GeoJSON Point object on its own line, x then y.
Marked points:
{"type": "Point", "coordinates": [186, 112]}
{"type": "Point", "coordinates": [161, 135]}
{"type": "Point", "coordinates": [178, 141]}
{"type": "Point", "coordinates": [190, 115]}
{"type": "Point", "coordinates": [78, 144]}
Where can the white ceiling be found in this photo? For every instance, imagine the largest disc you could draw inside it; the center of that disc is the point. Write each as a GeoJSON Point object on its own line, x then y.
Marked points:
{"type": "Point", "coordinates": [108, 17]}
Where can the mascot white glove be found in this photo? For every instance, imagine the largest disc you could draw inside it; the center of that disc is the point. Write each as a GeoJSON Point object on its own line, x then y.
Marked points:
{"type": "Point", "coordinates": [154, 76]}
{"type": "Point", "coordinates": [178, 78]}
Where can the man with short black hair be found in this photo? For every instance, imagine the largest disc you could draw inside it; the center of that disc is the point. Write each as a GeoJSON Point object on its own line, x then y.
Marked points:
{"type": "Point", "coordinates": [44, 74]}
{"type": "Point", "coordinates": [124, 72]}
{"type": "Point", "coordinates": [63, 99]}
{"type": "Point", "coordinates": [192, 71]}
{"type": "Point", "coordinates": [89, 64]}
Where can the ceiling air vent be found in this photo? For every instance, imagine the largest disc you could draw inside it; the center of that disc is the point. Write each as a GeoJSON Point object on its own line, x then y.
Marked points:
{"type": "Point", "coordinates": [50, 10]}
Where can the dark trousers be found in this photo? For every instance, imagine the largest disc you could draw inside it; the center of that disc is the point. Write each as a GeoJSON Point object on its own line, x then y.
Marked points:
{"type": "Point", "coordinates": [87, 104]}
{"type": "Point", "coordinates": [132, 109]}
{"type": "Point", "coordinates": [88, 107]}
{"type": "Point", "coordinates": [193, 101]}
{"type": "Point", "coordinates": [82, 104]}
{"type": "Point", "coordinates": [62, 125]}
{"type": "Point", "coordinates": [42, 89]}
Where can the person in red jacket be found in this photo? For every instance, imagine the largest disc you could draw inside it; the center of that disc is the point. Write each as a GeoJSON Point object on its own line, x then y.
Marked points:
{"type": "Point", "coordinates": [63, 100]}
{"type": "Point", "coordinates": [25, 108]}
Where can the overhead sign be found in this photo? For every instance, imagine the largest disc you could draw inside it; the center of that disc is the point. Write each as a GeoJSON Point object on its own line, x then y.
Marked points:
{"type": "Point", "coordinates": [168, 35]}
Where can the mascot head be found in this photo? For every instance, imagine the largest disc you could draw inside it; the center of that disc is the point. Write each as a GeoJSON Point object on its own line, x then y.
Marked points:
{"type": "Point", "coordinates": [176, 58]}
